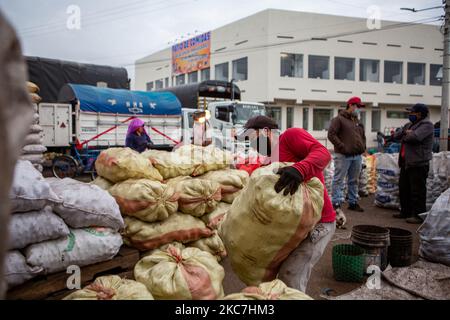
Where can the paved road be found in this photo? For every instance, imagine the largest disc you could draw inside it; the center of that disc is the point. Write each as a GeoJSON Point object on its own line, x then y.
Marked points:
{"type": "Point", "coordinates": [322, 275]}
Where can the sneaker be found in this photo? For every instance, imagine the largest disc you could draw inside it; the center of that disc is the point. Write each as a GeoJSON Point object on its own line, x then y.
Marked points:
{"type": "Point", "coordinates": [336, 206]}
{"type": "Point", "coordinates": [340, 218]}
{"type": "Point", "coordinates": [414, 220]}
{"type": "Point", "coordinates": [355, 207]}
{"type": "Point", "coordinates": [399, 216]}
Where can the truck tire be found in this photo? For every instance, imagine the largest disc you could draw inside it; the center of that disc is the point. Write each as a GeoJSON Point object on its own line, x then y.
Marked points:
{"type": "Point", "coordinates": [65, 167]}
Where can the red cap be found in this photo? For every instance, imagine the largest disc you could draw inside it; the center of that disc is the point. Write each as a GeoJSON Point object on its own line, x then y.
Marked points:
{"type": "Point", "coordinates": [356, 100]}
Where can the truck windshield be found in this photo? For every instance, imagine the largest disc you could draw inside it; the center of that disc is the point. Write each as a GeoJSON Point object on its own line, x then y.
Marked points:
{"type": "Point", "coordinates": [243, 112]}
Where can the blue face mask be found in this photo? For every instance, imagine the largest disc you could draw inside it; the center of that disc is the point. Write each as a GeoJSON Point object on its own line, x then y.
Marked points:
{"type": "Point", "coordinates": [412, 118]}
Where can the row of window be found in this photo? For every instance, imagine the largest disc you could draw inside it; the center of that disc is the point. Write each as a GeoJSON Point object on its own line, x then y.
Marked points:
{"type": "Point", "coordinates": [291, 65]}
{"type": "Point", "coordinates": [323, 116]}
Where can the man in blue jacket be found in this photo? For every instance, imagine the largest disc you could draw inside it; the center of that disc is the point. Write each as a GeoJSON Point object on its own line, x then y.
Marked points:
{"type": "Point", "coordinates": [416, 139]}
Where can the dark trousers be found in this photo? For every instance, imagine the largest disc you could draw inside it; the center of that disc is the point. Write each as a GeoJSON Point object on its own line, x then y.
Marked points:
{"type": "Point", "coordinates": [413, 190]}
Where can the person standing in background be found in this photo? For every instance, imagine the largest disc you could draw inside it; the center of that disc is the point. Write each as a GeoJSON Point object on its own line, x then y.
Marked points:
{"type": "Point", "coordinates": [137, 138]}
{"type": "Point", "coordinates": [416, 139]}
{"type": "Point", "coordinates": [347, 135]}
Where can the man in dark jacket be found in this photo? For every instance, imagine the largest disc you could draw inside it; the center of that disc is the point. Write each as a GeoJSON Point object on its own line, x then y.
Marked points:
{"type": "Point", "coordinates": [347, 135]}
{"type": "Point", "coordinates": [416, 138]}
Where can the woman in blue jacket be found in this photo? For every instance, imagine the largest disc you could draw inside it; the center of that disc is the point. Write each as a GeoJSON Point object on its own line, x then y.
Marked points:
{"type": "Point", "coordinates": [137, 138]}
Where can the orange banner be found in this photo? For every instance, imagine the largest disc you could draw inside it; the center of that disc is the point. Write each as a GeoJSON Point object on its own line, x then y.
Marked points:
{"type": "Point", "coordinates": [192, 55]}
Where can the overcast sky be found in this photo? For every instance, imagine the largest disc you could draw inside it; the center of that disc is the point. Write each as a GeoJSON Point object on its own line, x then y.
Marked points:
{"type": "Point", "coordinates": [117, 32]}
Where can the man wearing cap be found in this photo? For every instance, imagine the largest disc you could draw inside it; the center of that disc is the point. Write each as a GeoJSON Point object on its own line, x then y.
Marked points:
{"type": "Point", "coordinates": [347, 135]}
{"type": "Point", "coordinates": [310, 158]}
{"type": "Point", "coordinates": [416, 139]}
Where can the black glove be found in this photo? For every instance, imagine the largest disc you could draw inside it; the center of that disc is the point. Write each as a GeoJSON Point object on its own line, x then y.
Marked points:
{"type": "Point", "coordinates": [289, 181]}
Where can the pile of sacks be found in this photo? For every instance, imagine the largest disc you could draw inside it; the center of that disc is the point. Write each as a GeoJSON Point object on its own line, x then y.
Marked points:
{"type": "Point", "coordinates": [328, 174]}
{"type": "Point", "coordinates": [363, 180]}
{"type": "Point", "coordinates": [177, 198]}
{"type": "Point", "coordinates": [33, 150]}
{"type": "Point", "coordinates": [437, 180]}
{"type": "Point", "coordinates": [57, 223]}
{"type": "Point", "coordinates": [263, 227]}
{"type": "Point", "coordinates": [388, 175]}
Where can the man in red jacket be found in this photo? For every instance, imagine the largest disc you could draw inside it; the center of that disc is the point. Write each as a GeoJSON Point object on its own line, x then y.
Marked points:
{"type": "Point", "coordinates": [310, 158]}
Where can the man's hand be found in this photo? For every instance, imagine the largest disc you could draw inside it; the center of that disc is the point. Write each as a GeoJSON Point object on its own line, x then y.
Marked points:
{"type": "Point", "coordinates": [289, 181]}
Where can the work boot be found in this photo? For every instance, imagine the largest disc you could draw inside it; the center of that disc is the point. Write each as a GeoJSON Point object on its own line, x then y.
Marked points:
{"type": "Point", "coordinates": [355, 207]}
{"type": "Point", "coordinates": [414, 220]}
{"type": "Point", "coordinates": [341, 219]}
{"type": "Point", "coordinates": [399, 215]}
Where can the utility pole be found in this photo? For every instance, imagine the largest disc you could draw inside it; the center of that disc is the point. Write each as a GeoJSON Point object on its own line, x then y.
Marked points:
{"type": "Point", "coordinates": [443, 146]}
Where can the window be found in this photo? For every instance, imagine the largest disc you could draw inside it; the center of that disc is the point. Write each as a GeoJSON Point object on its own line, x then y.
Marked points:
{"type": "Point", "coordinates": [149, 86]}
{"type": "Point", "coordinates": [193, 77]}
{"type": "Point", "coordinates": [321, 119]}
{"type": "Point", "coordinates": [289, 117]}
{"type": "Point", "coordinates": [222, 71]}
{"type": "Point", "coordinates": [369, 70]}
{"type": "Point", "coordinates": [159, 84]}
{"type": "Point", "coordinates": [344, 68]}
{"type": "Point", "coordinates": [240, 67]}
{"type": "Point", "coordinates": [362, 118]}
{"type": "Point", "coordinates": [166, 82]}
{"type": "Point", "coordinates": [436, 74]}
{"type": "Point", "coordinates": [397, 115]}
{"type": "Point", "coordinates": [274, 113]}
{"type": "Point", "coordinates": [205, 74]}
{"type": "Point", "coordinates": [376, 120]}
{"type": "Point", "coordinates": [291, 65]}
{"type": "Point", "coordinates": [180, 80]}
{"type": "Point", "coordinates": [393, 72]}
{"type": "Point", "coordinates": [416, 73]}
{"type": "Point", "coordinates": [319, 67]}
{"type": "Point", "coordinates": [305, 118]}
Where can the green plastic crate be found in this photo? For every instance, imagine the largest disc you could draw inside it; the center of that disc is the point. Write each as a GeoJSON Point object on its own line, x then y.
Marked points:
{"type": "Point", "coordinates": [348, 263]}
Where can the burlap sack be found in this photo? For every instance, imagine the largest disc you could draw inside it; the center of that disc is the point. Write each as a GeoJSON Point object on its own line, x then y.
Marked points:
{"type": "Point", "coordinates": [275, 290]}
{"type": "Point", "coordinates": [197, 196]}
{"type": "Point", "coordinates": [103, 183]}
{"type": "Point", "coordinates": [35, 98]}
{"type": "Point", "coordinates": [169, 164]}
{"type": "Point", "coordinates": [119, 164]}
{"type": "Point", "coordinates": [81, 247]}
{"type": "Point", "coordinates": [178, 227]}
{"type": "Point", "coordinates": [32, 87]}
{"type": "Point", "coordinates": [145, 199]}
{"type": "Point", "coordinates": [186, 274]}
{"type": "Point", "coordinates": [30, 191]}
{"type": "Point", "coordinates": [205, 158]}
{"type": "Point", "coordinates": [112, 288]}
{"type": "Point", "coordinates": [86, 205]}
{"type": "Point", "coordinates": [34, 149]}
{"type": "Point", "coordinates": [33, 138]}
{"type": "Point", "coordinates": [35, 226]}
{"type": "Point", "coordinates": [263, 227]}
{"type": "Point", "coordinates": [231, 181]}
{"type": "Point", "coordinates": [213, 245]}
{"type": "Point", "coordinates": [215, 218]}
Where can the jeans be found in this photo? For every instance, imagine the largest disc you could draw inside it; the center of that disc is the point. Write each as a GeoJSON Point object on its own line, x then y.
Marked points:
{"type": "Point", "coordinates": [413, 190]}
{"type": "Point", "coordinates": [296, 269]}
{"type": "Point", "coordinates": [350, 167]}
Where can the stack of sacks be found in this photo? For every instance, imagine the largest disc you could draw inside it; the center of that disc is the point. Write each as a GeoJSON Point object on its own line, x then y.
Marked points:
{"type": "Point", "coordinates": [437, 181]}
{"type": "Point", "coordinates": [328, 174]}
{"type": "Point", "coordinates": [363, 189]}
{"type": "Point", "coordinates": [231, 181]}
{"type": "Point", "coordinates": [388, 171]}
{"type": "Point", "coordinates": [371, 174]}
{"type": "Point", "coordinates": [33, 150]}
{"type": "Point", "coordinates": [274, 290]}
{"type": "Point", "coordinates": [263, 227]}
{"type": "Point", "coordinates": [94, 220]}
{"type": "Point", "coordinates": [170, 164]}
{"type": "Point", "coordinates": [215, 218]}
{"type": "Point", "coordinates": [112, 288]}
{"type": "Point", "coordinates": [32, 222]}
{"type": "Point", "coordinates": [178, 273]}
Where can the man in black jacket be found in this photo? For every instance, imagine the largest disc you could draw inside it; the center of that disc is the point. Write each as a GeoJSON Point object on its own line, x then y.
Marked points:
{"type": "Point", "coordinates": [414, 160]}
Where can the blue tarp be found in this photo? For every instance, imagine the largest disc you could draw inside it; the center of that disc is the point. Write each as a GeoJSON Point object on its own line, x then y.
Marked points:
{"type": "Point", "coordinates": [105, 100]}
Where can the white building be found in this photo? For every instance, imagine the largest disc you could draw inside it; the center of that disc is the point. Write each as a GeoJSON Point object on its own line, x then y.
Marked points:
{"type": "Point", "coordinates": [304, 66]}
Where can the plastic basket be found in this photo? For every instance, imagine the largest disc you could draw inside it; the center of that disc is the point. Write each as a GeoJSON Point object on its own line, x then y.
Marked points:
{"type": "Point", "coordinates": [348, 263]}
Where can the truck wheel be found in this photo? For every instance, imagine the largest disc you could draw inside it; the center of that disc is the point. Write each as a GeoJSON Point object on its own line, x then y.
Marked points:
{"type": "Point", "coordinates": [65, 167]}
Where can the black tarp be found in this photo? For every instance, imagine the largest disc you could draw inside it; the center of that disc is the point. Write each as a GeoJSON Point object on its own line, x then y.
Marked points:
{"type": "Point", "coordinates": [51, 75]}
{"type": "Point", "coordinates": [188, 94]}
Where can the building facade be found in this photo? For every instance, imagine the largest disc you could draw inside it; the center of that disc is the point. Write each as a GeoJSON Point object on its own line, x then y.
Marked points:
{"type": "Point", "coordinates": [304, 66]}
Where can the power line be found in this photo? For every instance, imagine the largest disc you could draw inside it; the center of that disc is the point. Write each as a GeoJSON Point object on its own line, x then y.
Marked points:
{"type": "Point", "coordinates": [225, 52]}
